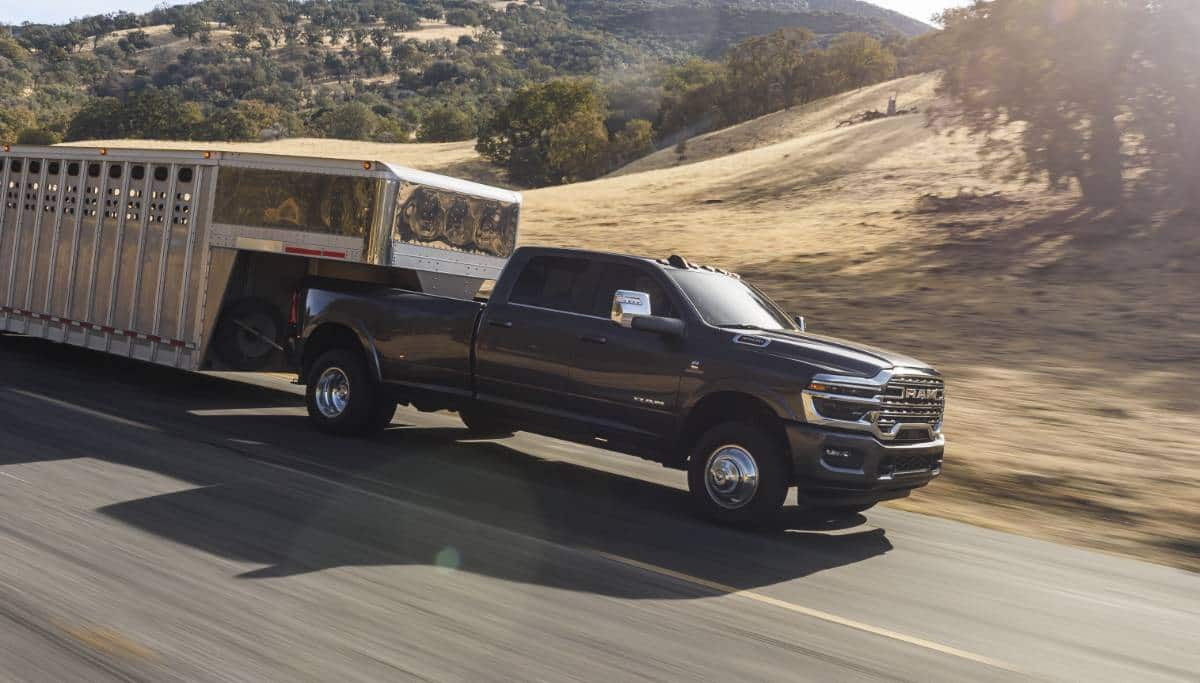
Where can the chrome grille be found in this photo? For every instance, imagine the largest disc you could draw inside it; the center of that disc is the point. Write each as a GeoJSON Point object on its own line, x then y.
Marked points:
{"type": "Point", "coordinates": [911, 400]}
{"type": "Point", "coordinates": [903, 407]}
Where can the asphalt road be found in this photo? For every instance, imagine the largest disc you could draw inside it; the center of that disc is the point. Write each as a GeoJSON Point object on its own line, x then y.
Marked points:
{"type": "Point", "coordinates": [161, 526]}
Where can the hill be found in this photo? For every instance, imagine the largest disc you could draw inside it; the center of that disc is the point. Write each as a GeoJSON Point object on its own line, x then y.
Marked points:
{"type": "Point", "coordinates": [711, 26]}
{"type": "Point", "coordinates": [231, 70]}
{"type": "Point", "coordinates": [458, 159]}
{"type": "Point", "coordinates": [1067, 419]}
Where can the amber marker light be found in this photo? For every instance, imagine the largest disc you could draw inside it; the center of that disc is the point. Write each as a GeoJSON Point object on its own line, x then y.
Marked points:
{"type": "Point", "coordinates": [367, 165]}
{"type": "Point", "coordinates": [103, 151]}
{"type": "Point", "coordinates": [208, 155]}
{"type": "Point", "coordinates": [817, 386]}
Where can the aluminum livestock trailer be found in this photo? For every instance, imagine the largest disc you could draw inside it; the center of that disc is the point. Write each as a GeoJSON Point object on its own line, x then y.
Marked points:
{"type": "Point", "coordinates": [190, 259]}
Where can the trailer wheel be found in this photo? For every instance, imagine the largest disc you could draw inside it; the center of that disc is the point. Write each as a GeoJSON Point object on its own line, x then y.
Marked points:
{"type": "Point", "coordinates": [737, 474]}
{"type": "Point", "coordinates": [482, 425]}
{"type": "Point", "coordinates": [248, 334]}
{"type": "Point", "coordinates": [343, 399]}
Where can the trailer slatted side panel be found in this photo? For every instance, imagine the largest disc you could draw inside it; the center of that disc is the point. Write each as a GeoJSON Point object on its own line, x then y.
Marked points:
{"type": "Point", "coordinates": [106, 253]}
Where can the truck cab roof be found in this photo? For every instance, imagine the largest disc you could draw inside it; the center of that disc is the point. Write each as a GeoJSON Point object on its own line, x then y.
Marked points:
{"type": "Point", "coordinates": [673, 262]}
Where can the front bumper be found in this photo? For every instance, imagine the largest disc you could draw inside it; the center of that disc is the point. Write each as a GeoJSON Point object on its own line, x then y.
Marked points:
{"type": "Point", "coordinates": [844, 468]}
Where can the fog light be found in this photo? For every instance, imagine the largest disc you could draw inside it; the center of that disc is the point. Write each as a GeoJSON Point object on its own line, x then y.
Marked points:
{"type": "Point", "coordinates": [843, 458]}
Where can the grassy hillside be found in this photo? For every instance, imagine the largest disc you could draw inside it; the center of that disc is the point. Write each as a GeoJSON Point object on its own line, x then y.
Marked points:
{"type": "Point", "coordinates": [458, 159]}
{"type": "Point", "coordinates": [402, 59]}
{"type": "Point", "coordinates": [1069, 337]}
{"type": "Point", "coordinates": [710, 26]}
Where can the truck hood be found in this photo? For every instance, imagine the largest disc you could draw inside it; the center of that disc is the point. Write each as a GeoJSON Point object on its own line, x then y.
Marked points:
{"type": "Point", "coordinates": [834, 355]}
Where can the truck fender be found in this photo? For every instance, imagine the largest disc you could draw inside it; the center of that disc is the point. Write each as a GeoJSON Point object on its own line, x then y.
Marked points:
{"type": "Point", "coordinates": [359, 329]}
{"type": "Point", "coordinates": [774, 400]}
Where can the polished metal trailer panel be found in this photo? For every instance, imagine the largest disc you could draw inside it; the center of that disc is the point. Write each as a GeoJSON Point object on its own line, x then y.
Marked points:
{"type": "Point", "coordinates": [135, 252]}
{"type": "Point", "coordinates": [106, 252]}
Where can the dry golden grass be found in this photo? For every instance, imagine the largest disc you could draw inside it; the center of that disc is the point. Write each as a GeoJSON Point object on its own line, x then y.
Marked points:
{"type": "Point", "coordinates": [1070, 338]}
{"type": "Point", "coordinates": [451, 158]}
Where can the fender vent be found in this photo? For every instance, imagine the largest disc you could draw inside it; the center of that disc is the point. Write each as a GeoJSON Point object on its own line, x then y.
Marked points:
{"type": "Point", "coordinates": [751, 340]}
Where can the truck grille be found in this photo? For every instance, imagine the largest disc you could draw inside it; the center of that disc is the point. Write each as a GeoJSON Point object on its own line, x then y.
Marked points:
{"type": "Point", "coordinates": [911, 400]}
{"type": "Point", "coordinates": [901, 408]}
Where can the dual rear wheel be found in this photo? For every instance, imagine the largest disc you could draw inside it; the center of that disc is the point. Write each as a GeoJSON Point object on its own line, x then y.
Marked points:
{"type": "Point", "coordinates": [342, 397]}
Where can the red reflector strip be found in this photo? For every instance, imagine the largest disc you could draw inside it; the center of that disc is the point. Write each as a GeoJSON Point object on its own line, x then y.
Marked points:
{"type": "Point", "coordinates": [302, 251]}
{"type": "Point", "coordinates": [107, 329]}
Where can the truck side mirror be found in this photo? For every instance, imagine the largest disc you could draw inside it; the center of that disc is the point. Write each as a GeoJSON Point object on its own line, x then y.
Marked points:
{"type": "Point", "coordinates": [800, 322]}
{"type": "Point", "coordinates": [667, 327]}
{"type": "Point", "coordinates": [627, 305]}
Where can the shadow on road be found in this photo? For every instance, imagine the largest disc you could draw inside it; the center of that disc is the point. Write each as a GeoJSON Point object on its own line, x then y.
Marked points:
{"type": "Point", "coordinates": [416, 495]}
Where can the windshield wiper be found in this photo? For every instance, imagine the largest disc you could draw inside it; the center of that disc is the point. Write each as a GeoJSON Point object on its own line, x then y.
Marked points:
{"type": "Point", "coordinates": [740, 326]}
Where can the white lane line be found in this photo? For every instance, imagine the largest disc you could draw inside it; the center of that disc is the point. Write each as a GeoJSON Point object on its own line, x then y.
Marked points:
{"type": "Point", "coordinates": [724, 589]}
{"type": "Point", "coordinates": [713, 586]}
{"type": "Point", "coordinates": [243, 412]}
{"type": "Point", "coordinates": [83, 410]}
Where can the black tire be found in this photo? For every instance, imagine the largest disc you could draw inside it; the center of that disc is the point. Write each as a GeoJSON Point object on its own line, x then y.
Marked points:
{"type": "Point", "coordinates": [768, 456]}
{"type": "Point", "coordinates": [482, 425]}
{"type": "Point", "coordinates": [364, 410]}
{"type": "Point", "coordinates": [237, 346]}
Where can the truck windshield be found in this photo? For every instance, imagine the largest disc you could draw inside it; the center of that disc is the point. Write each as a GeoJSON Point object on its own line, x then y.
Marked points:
{"type": "Point", "coordinates": [727, 302]}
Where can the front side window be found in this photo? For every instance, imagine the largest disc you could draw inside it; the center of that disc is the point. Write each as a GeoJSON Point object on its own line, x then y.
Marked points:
{"type": "Point", "coordinates": [617, 276]}
{"type": "Point", "coordinates": [724, 301]}
{"type": "Point", "coordinates": [560, 283]}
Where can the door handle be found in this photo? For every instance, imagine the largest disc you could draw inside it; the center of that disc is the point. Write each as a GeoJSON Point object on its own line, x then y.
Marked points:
{"type": "Point", "coordinates": [500, 323]}
{"type": "Point", "coordinates": [594, 340]}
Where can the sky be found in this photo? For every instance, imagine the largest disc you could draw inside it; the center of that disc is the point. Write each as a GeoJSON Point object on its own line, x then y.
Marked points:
{"type": "Point", "coordinates": [57, 11]}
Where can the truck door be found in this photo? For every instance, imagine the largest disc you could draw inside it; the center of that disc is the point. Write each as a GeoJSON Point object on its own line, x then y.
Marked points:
{"type": "Point", "coordinates": [525, 344]}
{"type": "Point", "coordinates": [625, 381]}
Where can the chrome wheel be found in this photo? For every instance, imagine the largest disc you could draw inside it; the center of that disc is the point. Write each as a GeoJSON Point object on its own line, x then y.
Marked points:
{"type": "Point", "coordinates": [333, 392]}
{"type": "Point", "coordinates": [731, 477]}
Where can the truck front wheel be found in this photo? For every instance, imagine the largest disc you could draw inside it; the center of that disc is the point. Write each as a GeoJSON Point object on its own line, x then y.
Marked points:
{"type": "Point", "coordinates": [737, 474]}
{"type": "Point", "coordinates": [343, 399]}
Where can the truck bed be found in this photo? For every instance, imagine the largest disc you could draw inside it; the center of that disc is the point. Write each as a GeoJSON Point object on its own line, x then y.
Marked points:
{"type": "Point", "coordinates": [416, 341]}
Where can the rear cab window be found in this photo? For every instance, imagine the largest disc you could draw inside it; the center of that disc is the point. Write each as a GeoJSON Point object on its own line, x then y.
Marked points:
{"type": "Point", "coordinates": [558, 283]}
{"type": "Point", "coordinates": [586, 286]}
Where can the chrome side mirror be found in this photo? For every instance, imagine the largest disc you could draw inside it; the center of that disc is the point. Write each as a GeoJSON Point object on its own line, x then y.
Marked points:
{"type": "Point", "coordinates": [800, 322]}
{"type": "Point", "coordinates": [627, 305]}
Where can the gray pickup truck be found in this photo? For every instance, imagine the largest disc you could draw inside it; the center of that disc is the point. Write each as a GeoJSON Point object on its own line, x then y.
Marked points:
{"type": "Point", "coordinates": [686, 365]}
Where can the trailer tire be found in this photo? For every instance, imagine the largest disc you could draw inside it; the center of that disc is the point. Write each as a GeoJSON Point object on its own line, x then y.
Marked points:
{"type": "Point", "coordinates": [343, 399]}
{"type": "Point", "coordinates": [737, 474]}
{"type": "Point", "coordinates": [241, 349]}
